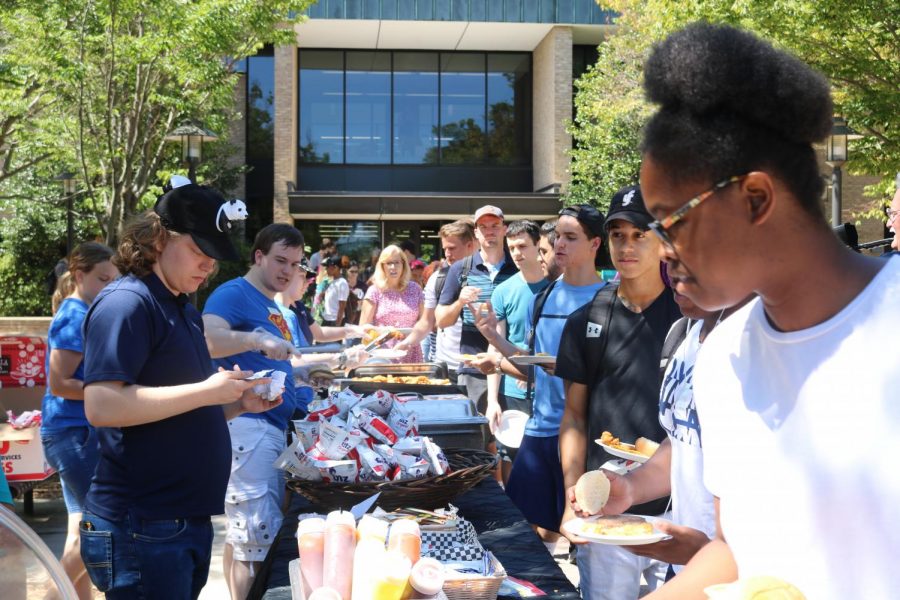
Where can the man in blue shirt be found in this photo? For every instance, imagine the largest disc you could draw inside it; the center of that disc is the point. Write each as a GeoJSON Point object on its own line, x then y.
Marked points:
{"type": "Point", "coordinates": [511, 301]}
{"type": "Point", "coordinates": [245, 326]}
{"type": "Point", "coordinates": [157, 402]}
{"type": "Point", "coordinates": [536, 481]}
{"type": "Point", "coordinates": [488, 268]}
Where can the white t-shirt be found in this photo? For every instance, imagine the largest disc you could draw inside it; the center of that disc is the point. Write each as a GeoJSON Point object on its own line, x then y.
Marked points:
{"type": "Point", "coordinates": [338, 291]}
{"type": "Point", "coordinates": [692, 504]}
{"type": "Point", "coordinates": [447, 345]}
{"type": "Point", "coordinates": [801, 441]}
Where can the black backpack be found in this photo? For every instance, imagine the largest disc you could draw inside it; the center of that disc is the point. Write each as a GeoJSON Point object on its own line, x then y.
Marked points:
{"type": "Point", "coordinates": [600, 312]}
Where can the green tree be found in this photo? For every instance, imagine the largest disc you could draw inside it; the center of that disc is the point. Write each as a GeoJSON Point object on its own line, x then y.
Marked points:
{"type": "Point", "coordinates": [855, 44]}
{"type": "Point", "coordinates": [117, 75]}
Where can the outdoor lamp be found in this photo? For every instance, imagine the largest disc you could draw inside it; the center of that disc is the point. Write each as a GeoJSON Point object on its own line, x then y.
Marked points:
{"type": "Point", "coordinates": [837, 150]}
{"type": "Point", "coordinates": [191, 138]}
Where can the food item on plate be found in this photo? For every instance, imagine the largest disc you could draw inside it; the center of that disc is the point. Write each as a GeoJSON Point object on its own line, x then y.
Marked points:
{"type": "Point", "coordinates": [592, 491]}
{"type": "Point", "coordinates": [405, 379]}
{"type": "Point", "coordinates": [642, 446]}
{"type": "Point", "coordinates": [619, 525]}
{"type": "Point", "coordinates": [760, 587]}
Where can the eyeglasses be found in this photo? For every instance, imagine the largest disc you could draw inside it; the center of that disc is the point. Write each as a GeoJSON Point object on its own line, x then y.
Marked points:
{"type": "Point", "coordinates": [892, 216]}
{"type": "Point", "coordinates": [661, 226]}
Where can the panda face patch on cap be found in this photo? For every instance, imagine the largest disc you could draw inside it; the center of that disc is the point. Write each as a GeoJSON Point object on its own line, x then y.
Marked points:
{"type": "Point", "coordinates": [203, 213]}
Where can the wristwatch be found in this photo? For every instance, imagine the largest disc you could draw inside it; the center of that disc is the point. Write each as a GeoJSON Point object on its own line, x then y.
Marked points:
{"type": "Point", "coordinates": [342, 361]}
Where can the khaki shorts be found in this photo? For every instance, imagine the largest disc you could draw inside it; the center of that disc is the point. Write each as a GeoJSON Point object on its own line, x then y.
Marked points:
{"type": "Point", "coordinates": [255, 489]}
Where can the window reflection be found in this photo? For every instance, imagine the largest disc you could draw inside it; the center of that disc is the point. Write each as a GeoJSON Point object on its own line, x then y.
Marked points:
{"type": "Point", "coordinates": [509, 109]}
{"type": "Point", "coordinates": [368, 107]}
{"type": "Point", "coordinates": [462, 108]}
{"type": "Point", "coordinates": [321, 106]}
{"type": "Point", "coordinates": [415, 107]}
{"type": "Point", "coordinates": [450, 108]}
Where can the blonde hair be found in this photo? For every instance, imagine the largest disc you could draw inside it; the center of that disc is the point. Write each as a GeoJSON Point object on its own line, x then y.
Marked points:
{"type": "Point", "coordinates": [137, 251]}
{"type": "Point", "coordinates": [380, 278]}
{"type": "Point", "coordinates": [84, 258]}
{"type": "Point", "coordinates": [463, 229]}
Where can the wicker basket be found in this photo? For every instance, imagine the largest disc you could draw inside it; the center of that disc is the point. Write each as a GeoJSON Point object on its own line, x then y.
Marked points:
{"type": "Point", "coordinates": [468, 467]}
{"type": "Point", "coordinates": [476, 588]}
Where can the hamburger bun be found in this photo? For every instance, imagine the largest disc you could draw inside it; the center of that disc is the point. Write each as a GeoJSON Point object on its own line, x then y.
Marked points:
{"type": "Point", "coordinates": [592, 491]}
{"type": "Point", "coordinates": [644, 446]}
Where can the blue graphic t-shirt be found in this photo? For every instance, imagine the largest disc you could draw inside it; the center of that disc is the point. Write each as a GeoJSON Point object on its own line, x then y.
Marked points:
{"type": "Point", "coordinates": [245, 308]}
{"type": "Point", "coordinates": [510, 301]}
{"type": "Point", "coordinates": [65, 334]}
{"type": "Point", "coordinates": [549, 395]}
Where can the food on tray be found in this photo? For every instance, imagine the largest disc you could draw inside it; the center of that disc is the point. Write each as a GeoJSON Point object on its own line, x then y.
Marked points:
{"type": "Point", "coordinates": [371, 334]}
{"type": "Point", "coordinates": [642, 446]}
{"type": "Point", "coordinates": [619, 525]}
{"type": "Point", "coordinates": [592, 491]}
{"type": "Point", "coordinates": [760, 587]}
{"type": "Point", "coordinates": [351, 438]}
{"type": "Point", "coordinates": [404, 379]}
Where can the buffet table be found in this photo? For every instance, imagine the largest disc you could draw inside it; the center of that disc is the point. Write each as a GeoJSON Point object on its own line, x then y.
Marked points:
{"type": "Point", "coordinates": [501, 529]}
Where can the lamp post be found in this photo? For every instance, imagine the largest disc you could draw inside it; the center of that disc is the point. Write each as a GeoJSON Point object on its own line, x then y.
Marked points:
{"type": "Point", "coordinates": [837, 149]}
{"type": "Point", "coordinates": [191, 138]}
{"type": "Point", "coordinates": [68, 182]}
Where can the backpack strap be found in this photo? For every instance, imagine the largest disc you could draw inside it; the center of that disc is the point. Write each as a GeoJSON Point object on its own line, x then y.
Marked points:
{"type": "Point", "coordinates": [539, 300]}
{"type": "Point", "coordinates": [439, 280]}
{"type": "Point", "coordinates": [599, 319]}
{"type": "Point", "coordinates": [464, 274]}
{"type": "Point", "coordinates": [674, 338]}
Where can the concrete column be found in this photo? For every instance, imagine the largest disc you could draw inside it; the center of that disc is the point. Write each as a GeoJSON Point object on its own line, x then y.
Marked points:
{"type": "Point", "coordinates": [552, 100]}
{"type": "Point", "coordinates": [285, 129]}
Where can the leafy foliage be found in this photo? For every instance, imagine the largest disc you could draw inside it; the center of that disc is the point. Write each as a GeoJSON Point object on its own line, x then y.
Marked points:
{"type": "Point", "coordinates": [855, 44]}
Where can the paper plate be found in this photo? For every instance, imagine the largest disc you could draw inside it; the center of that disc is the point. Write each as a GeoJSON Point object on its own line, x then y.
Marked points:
{"type": "Point", "coordinates": [621, 453]}
{"type": "Point", "coordinates": [580, 527]}
{"type": "Point", "coordinates": [512, 428]}
{"type": "Point", "coordinates": [524, 361]}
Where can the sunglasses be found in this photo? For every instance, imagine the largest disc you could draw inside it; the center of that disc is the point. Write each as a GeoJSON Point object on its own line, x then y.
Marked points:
{"type": "Point", "coordinates": [661, 226]}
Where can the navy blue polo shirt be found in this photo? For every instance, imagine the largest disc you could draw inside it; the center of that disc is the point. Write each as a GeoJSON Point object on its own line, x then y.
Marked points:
{"type": "Point", "coordinates": [138, 332]}
{"type": "Point", "coordinates": [471, 341]}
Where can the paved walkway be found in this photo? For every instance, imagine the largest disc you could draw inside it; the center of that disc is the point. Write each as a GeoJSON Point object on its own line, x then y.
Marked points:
{"type": "Point", "coordinates": [49, 521]}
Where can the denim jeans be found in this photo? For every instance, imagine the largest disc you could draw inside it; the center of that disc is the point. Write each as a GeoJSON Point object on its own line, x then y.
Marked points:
{"type": "Point", "coordinates": [143, 559]}
{"type": "Point", "coordinates": [74, 453]}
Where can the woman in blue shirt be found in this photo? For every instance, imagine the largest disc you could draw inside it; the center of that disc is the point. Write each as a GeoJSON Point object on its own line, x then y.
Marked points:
{"type": "Point", "coordinates": [70, 443]}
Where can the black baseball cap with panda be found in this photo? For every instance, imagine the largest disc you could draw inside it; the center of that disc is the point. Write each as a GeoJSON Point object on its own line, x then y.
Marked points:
{"type": "Point", "coordinates": [203, 213]}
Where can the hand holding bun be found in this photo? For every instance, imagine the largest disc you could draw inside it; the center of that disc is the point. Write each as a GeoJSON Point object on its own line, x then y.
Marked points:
{"type": "Point", "coordinates": [592, 491]}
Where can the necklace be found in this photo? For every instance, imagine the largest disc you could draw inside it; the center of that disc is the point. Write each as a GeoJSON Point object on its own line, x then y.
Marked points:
{"type": "Point", "coordinates": [719, 320]}
{"type": "Point", "coordinates": [629, 304]}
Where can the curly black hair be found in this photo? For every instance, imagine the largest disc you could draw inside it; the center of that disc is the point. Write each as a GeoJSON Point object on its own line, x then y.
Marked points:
{"type": "Point", "coordinates": [731, 103]}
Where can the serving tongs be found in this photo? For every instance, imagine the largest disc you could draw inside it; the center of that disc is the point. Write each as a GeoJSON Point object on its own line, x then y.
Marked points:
{"type": "Point", "coordinates": [381, 339]}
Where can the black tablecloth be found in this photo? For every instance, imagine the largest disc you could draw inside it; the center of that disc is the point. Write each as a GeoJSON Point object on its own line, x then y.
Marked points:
{"type": "Point", "coordinates": [501, 529]}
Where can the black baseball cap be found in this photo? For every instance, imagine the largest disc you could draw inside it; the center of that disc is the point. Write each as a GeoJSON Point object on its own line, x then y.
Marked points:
{"type": "Point", "coordinates": [203, 213]}
{"type": "Point", "coordinates": [304, 266]}
{"type": "Point", "coordinates": [587, 215]}
{"type": "Point", "coordinates": [332, 261]}
{"type": "Point", "coordinates": [628, 204]}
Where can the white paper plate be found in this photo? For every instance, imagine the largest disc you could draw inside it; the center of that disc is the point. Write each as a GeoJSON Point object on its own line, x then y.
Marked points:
{"type": "Point", "coordinates": [524, 361]}
{"type": "Point", "coordinates": [512, 428]}
{"type": "Point", "coordinates": [577, 526]}
{"type": "Point", "coordinates": [635, 456]}
{"type": "Point", "coordinates": [387, 353]}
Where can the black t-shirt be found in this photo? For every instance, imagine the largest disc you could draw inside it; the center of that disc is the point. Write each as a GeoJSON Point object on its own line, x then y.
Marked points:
{"type": "Point", "coordinates": [623, 388]}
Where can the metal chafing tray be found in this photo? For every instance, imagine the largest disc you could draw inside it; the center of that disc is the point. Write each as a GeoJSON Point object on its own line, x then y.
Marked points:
{"type": "Point", "coordinates": [451, 422]}
{"type": "Point", "coordinates": [430, 370]}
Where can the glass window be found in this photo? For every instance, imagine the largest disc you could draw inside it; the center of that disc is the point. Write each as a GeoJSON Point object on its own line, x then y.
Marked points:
{"type": "Point", "coordinates": [321, 106]}
{"type": "Point", "coordinates": [260, 107]}
{"type": "Point", "coordinates": [368, 107]}
{"type": "Point", "coordinates": [509, 109]}
{"type": "Point", "coordinates": [462, 108]}
{"type": "Point", "coordinates": [415, 107]}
